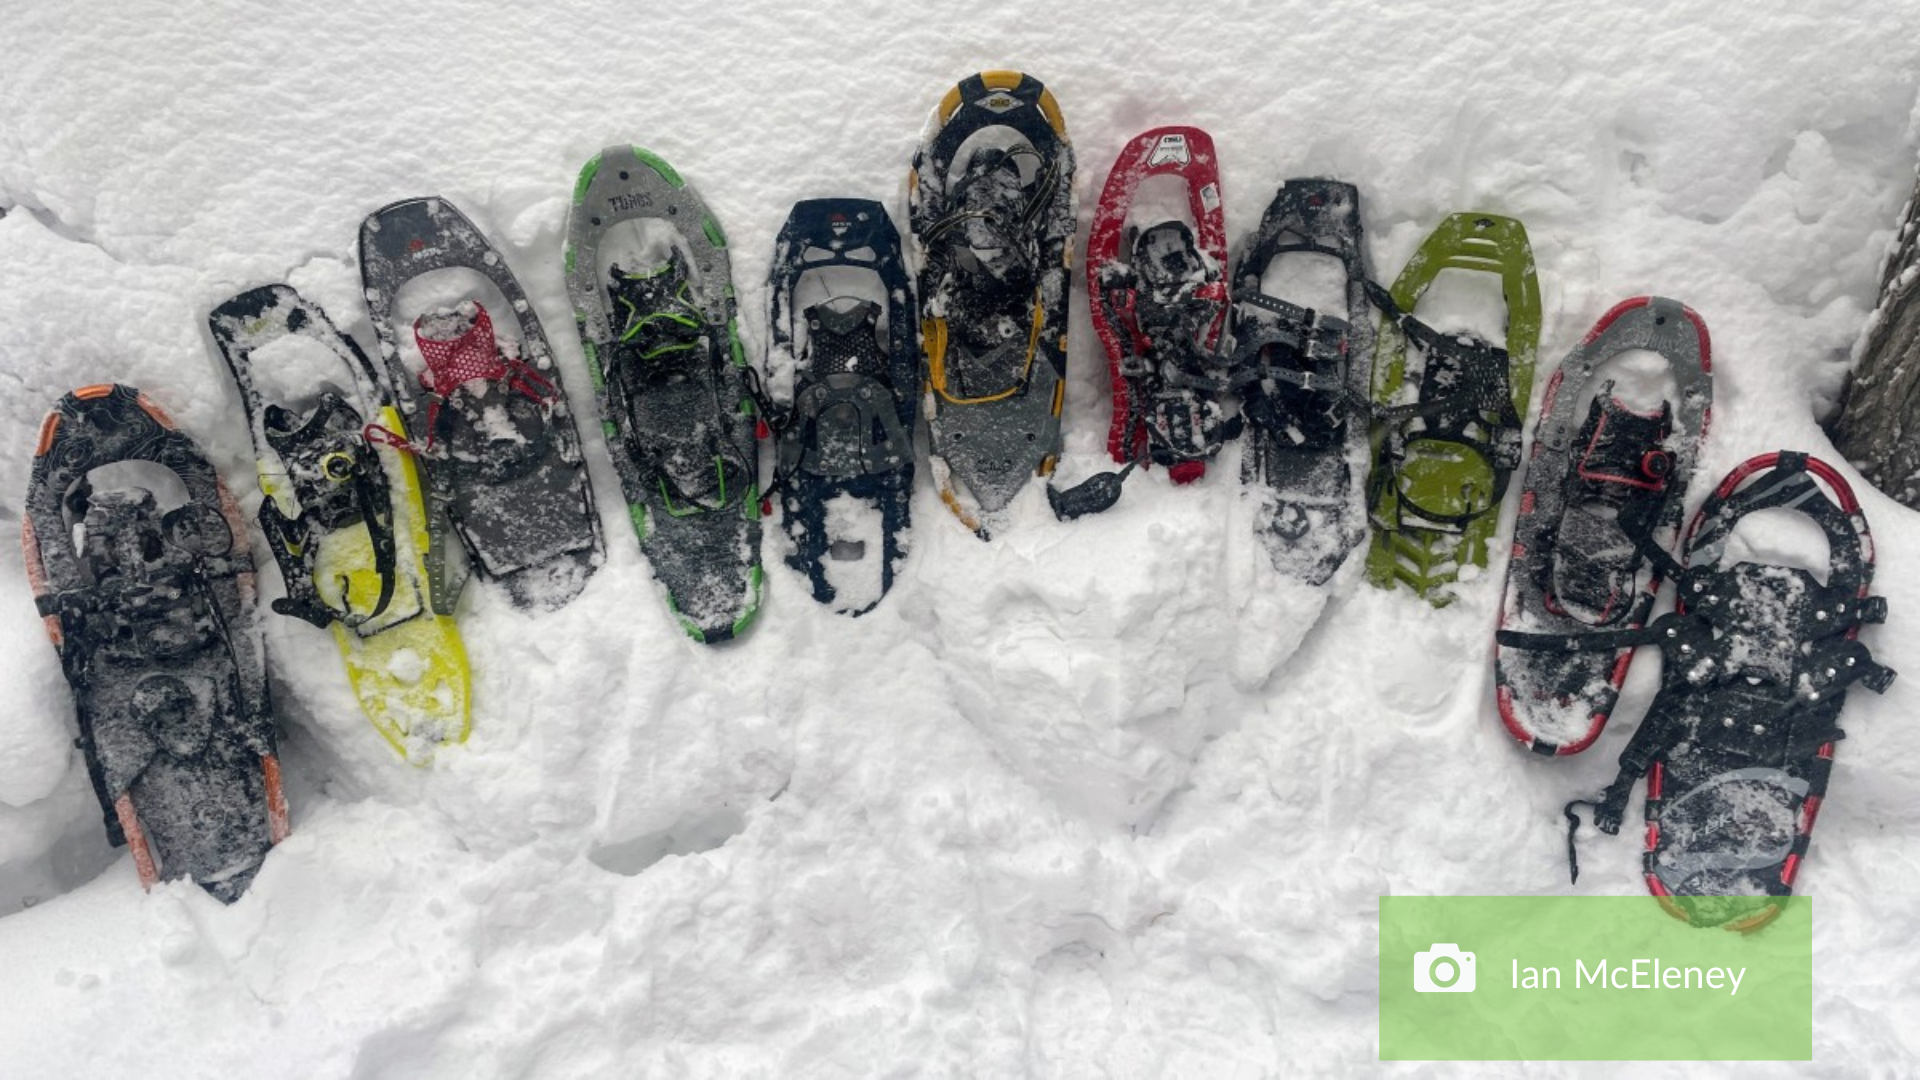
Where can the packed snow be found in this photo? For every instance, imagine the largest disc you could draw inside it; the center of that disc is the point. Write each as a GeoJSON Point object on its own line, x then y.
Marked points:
{"type": "Point", "coordinates": [1108, 797]}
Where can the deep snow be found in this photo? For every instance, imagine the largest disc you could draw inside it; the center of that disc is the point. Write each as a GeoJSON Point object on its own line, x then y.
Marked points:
{"type": "Point", "coordinates": [1097, 797]}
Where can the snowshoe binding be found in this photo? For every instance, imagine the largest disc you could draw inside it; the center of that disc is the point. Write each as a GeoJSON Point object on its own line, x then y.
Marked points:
{"type": "Point", "coordinates": [151, 611]}
{"type": "Point", "coordinates": [649, 276]}
{"type": "Point", "coordinates": [1596, 493]}
{"type": "Point", "coordinates": [1739, 741]}
{"type": "Point", "coordinates": [344, 516]}
{"type": "Point", "coordinates": [1303, 375]}
{"type": "Point", "coordinates": [489, 420]}
{"type": "Point", "coordinates": [1446, 439]}
{"type": "Point", "coordinates": [991, 206]}
{"type": "Point", "coordinates": [1159, 306]}
{"type": "Point", "coordinates": [845, 466]}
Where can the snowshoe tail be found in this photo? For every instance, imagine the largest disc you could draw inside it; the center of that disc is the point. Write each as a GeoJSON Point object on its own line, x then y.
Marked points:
{"type": "Point", "coordinates": [1445, 447]}
{"type": "Point", "coordinates": [152, 616]}
{"type": "Point", "coordinates": [1303, 376]}
{"type": "Point", "coordinates": [992, 225]}
{"type": "Point", "coordinates": [845, 446]}
{"type": "Point", "coordinates": [520, 501]}
{"type": "Point", "coordinates": [649, 276]}
{"type": "Point", "coordinates": [1601, 503]}
{"type": "Point", "coordinates": [345, 515]}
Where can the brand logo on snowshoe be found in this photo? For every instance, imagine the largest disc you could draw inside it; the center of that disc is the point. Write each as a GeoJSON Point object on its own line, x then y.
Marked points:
{"type": "Point", "coordinates": [999, 103]}
{"type": "Point", "coordinates": [1210, 196]}
{"type": "Point", "coordinates": [1170, 148]}
{"type": "Point", "coordinates": [839, 224]}
{"type": "Point", "coordinates": [630, 201]}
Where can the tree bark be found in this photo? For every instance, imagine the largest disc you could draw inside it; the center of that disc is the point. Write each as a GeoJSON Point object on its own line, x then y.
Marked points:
{"type": "Point", "coordinates": [1878, 427]}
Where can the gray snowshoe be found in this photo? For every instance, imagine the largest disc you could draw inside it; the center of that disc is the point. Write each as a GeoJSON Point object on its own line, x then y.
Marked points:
{"type": "Point", "coordinates": [649, 277]}
{"type": "Point", "coordinates": [488, 417]}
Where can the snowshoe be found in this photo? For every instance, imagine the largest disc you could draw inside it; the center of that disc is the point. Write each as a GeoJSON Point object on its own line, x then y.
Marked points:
{"type": "Point", "coordinates": [1757, 658]}
{"type": "Point", "coordinates": [991, 206]}
{"type": "Point", "coordinates": [1446, 438]}
{"type": "Point", "coordinates": [489, 419]}
{"type": "Point", "coordinates": [344, 517]}
{"type": "Point", "coordinates": [648, 273]}
{"type": "Point", "coordinates": [151, 611]}
{"type": "Point", "coordinates": [1159, 306]}
{"type": "Point", "coordinates": [845, 467]}
{"type": "Point", "coordinates": [1303, 374]}
{"type": "Point", "coordinates": [1597, 492]}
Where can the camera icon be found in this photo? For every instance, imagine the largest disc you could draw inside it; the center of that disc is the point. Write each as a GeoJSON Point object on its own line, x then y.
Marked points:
{"type": "Point", "coordinates": [1443, 969]}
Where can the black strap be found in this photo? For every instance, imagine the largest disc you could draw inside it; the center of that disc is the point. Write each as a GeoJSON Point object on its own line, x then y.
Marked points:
{"type": "Point", "coordinates": [1573, 826]}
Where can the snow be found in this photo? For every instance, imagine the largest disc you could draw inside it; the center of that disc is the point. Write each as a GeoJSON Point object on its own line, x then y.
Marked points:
{"type": "Point", "coordinates": [1108, 797]}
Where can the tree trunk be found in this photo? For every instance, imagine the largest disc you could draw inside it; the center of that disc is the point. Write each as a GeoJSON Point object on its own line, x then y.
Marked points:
{"type": "Point", "coordinates": [1878, 428]}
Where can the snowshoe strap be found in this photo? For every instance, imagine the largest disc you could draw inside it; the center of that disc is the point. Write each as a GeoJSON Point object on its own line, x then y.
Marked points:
{"type": "Point", "coordinates": [1613, 501]}
{"type": "Point", "coordinates": [661, 322]}
{"type": "Point", "coordinates": [1623, 452]}
{"type": "Point", "coordinates": [293, 542]}
{"type": "Point", "coordinates": [459, 346]}
{"type": "Point", "coordinates": [1267, 325]}
{"type": "Point", "coordinates": [986, 223]}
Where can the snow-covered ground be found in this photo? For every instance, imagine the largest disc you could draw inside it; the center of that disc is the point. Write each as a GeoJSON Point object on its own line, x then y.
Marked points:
{"type": "Point", "coordinates": [1099, 798]}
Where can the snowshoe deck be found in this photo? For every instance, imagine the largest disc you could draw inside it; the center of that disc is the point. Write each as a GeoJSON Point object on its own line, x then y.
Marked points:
{"type": "Point", "coordinates": [1159, 303]}
{"type": "Point", "coordinates": [1600, 485]}
{"type": "Point", "coordinates": [1445, 446]}
{"type": "Point", "coordinates": [845, 469]}
{"type": "Point", "coordinates": [346, 521]}
{"type": "Point", "coordinates": [1757, 658]}
{"type": "Point", "coordinates": [152, 616]}
{"type": "Point", "coordinates": [490, 421]}
{"type": "Point", "coordinates": [674, 387]}
{"type": "Point", "coordinates": [1304, 374]}
{"type": "Point", "coordinates": [990, 198]}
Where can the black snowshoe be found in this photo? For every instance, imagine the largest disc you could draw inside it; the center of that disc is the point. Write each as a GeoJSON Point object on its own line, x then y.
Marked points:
{"type": "Point", "coordinates": [1739, 742]}
{"type": "Point", "coordinates": [152, 614]}
{"type": "Point", "coordinates": [845, 467]}
{"type": "Point", "coordinates": [1304, 376]}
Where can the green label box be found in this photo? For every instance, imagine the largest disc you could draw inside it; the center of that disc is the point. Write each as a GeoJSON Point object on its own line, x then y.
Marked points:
{"type": "Point", "coordinates": [1589, 978]}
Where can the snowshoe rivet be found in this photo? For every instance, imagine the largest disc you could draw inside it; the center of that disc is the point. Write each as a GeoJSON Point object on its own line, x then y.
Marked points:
{"type": "Point", "coordinates": [1759, 729]}
{"type": "Point", "coordinates": [1699, 586]}
{"type": "Point", "coordinates": [490, 258]}
{"type": "Point", "coordinates": [1726, 721]}
{"type": "Point", "coordinates": [1686, 648]}
{"type": "Point", "coordinates": [595, 221]}
{"type": "Point", "coordinates": [1813, 695]}
{"type": "Point", "coordinates": [520, 305]}
{"type": "Point", "coordinates": [1849, 661]}
{"type": "Point", "coordinates": [1832, 672]}
{"type": "Point", "coordinates": [1673, 631]}
{"type": "Point", "coordinates": [1820, 615]}
{"type": "Point", "coordinates": [623, 174]}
